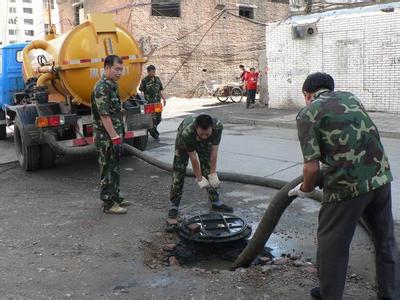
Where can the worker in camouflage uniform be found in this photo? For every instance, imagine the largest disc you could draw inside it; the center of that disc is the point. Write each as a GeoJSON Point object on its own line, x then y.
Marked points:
{"type": "Point", "coordinates": [152, 87]}
{"type": "Point", "coordinates": [335, 129]}
{"type": "Point", "coordinates": [197, 139]}
{"type": "Point", "coordinates": [108, 134]}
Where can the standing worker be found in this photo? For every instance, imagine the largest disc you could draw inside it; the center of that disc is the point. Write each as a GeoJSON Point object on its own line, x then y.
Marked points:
{"type": "Point", "coordinates": [109, 133]}
{"type": "Point", "coordinates": [197, 139]}
{"type": "Point", "coordinates": [335, 129]}
{"type": "Point", "coordinates": [151, 87]}
{"type": "Point", "coordinates": [251, 79]}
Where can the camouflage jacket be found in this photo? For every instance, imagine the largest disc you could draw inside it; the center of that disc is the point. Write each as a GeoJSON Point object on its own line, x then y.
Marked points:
{"type": "Point", "coordinates": [188, 140]}
{"type": "Point", "coordinates": [151, 87]}
{"type": "Point", "coordinates": [106, 101]}
{"type": "Point", "coordinates": [336, 130]}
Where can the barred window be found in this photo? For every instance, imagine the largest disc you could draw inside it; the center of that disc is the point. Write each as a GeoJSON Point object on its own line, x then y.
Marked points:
{"type": "Point", "coordinates": [166, 8]}
{"type": "Point", "coordinates": [246, 11]}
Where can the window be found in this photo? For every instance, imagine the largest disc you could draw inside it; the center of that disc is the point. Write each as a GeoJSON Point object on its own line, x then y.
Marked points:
{"type": "Point", "coordinates": [46, 3]}
{"type": "Point", "coordinates": [12, 1]}
{"type": "Point", "coordinates": [18, 56]}
{"type": "Point", "coordinates": [29, 32]}
{"type": "Point", "coordinates": [12, 21]}
{"type": "Point", "coordinates": [27, 1]}
{"type": "Point", "coordinates": [166, 8]}
{"type": "Point", "coordinates": [281, 1]}
{"type": "Point", "coordinates": [27, 10]}
{"type": "Point", "coordinates": [246, 11]}
{"type": "Point", "coordinates": [28, 21]}
{"type": "Point", "coordinates": [12, 32]}
{"type": "Point", "coordinates": [12, 9]}
{"type": "Point", "coordinates": [79, 14]}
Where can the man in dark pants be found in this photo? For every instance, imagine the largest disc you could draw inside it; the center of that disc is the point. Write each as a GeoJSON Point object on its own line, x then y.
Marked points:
{"type": "Point", "coordinates": [152, 87]}
{"type": "Point", "coordinates": [251, 79]}
{"type": "Point", "coordinates": [335, 129]}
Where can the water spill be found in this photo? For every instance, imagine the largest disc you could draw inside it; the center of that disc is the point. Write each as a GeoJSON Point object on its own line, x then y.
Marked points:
{"type": "Point", "coordinates": [212, 264]}
{"type": "Point", "coordinates": [239, 194]}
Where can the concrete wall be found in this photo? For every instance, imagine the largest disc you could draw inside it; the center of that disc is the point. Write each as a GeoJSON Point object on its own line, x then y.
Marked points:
{"type": "Point", "coordinates": [361, 50]}
{"type": "Point", "coordinates": [232, 40]}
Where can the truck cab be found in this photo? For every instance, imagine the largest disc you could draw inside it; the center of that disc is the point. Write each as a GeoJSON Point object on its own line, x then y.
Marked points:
{"type": "Point", "coordinates": [11, 81]}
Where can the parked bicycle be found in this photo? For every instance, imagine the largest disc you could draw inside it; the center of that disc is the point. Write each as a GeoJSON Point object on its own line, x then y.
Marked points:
{"type": "Point", "coordinates": [223, 92]}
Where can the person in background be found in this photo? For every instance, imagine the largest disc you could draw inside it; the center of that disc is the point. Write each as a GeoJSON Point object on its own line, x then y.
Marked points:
{"type": "Point", "coordinates": [152, 87]}
{"type": "Point", "coordinates": [251, 79]}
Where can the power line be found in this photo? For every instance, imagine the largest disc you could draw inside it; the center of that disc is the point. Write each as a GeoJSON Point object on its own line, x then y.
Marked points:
{"type": "Point", "coordinates": [191, 52]}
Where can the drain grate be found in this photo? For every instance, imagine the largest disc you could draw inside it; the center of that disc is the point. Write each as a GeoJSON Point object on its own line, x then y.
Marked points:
{"type": "Point", "coordinates": [214, 228]}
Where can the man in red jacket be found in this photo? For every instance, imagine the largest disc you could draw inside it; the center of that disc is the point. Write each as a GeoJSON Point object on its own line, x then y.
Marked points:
{"type": "Point", "coordinates": [251, 79]}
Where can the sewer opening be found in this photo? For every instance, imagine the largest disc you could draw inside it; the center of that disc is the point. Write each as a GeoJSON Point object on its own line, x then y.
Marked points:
{"type": "Point", "coordinates": [212, 241]}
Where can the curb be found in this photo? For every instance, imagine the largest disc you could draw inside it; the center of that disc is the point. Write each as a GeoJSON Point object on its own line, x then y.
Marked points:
{"type": "Point", "coordinates": [258, 122]}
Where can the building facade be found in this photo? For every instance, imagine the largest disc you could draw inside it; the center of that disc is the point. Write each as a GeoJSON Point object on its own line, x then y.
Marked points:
{"type": "Point", "coordinates": [359, 47]}
{"type": "Point", "coordinates": [26, 20]}
{"type": "Point", "coordinates": [195, 40]}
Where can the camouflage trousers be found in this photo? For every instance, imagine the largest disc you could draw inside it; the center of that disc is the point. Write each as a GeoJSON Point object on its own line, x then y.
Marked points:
{"type": "Point", "coordinates": [181, 160]}
{"type": "Point", "coordinates": [156, 121]}
{"type": "Point", "coordinates": [109, 171]}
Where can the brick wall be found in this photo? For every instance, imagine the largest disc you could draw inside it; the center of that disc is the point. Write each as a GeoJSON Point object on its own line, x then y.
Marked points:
{"type": "Point", "coordinates": [360, 50]}
{"type": "Point", "coordinates": [232, 40]}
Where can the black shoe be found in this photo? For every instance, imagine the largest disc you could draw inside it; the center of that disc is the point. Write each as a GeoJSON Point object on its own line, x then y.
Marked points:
{"type": "Point", "coordinates": [315, 293]}
{"type": "Point", "coordinates": [222, 208]}
{"type": "Point", "coordinates": [173, 213]}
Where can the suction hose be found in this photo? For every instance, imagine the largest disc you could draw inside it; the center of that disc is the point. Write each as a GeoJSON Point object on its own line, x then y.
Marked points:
{"type": "Point", "coordinates": [270, 219]}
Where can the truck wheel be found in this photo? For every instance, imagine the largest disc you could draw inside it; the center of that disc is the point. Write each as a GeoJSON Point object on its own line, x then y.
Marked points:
{"type": "Point", "coordinates": [28, 155]}
{"type": "Point", "coordinates": [47, 156]}
{"type": "Point", "coordinates": [138, 142]}
{"type": "Point", "coordinates": [3, 130]}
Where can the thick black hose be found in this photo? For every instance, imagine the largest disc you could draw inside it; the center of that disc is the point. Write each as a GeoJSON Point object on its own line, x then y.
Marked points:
{"type": "Point", "coordinates": [234, 177]}
{"type": "Point", "coordinates": [64, 150]}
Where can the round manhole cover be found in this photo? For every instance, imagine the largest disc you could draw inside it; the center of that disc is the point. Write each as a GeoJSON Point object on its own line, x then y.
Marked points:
{"type": "Point", "coordinates": [214, 228]}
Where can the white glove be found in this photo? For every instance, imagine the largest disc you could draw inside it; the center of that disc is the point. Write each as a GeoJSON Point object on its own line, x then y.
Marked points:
{"type": "Point", "coordinates": [203, 183]}
{"type": "Point", "coordinates": [297, 192]}
{"type": "Point", "coordinates": [214, 180]}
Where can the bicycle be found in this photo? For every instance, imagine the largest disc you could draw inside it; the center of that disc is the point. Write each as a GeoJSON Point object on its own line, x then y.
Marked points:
{"type": "Point", "coordinates": [222, 92]}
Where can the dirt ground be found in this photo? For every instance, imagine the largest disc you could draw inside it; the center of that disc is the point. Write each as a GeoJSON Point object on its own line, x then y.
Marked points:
{"type": "Point", "coordinates": [57, 244]}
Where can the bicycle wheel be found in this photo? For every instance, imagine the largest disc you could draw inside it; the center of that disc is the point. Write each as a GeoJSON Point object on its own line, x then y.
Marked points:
{"type": "Point", "coordinates": [236, 94]}
{"type": "Point", "coordinates": [201, 92]}
{"type": "Point", "coordinates": [222, 98]}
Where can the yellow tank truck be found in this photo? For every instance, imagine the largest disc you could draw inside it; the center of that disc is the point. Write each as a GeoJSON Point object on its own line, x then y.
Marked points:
{"type": "Point", "coordinates": [52, 112]}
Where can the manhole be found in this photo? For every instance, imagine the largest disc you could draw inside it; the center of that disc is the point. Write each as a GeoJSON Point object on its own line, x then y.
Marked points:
{"type": "Point", "coordinates": [214, 228]}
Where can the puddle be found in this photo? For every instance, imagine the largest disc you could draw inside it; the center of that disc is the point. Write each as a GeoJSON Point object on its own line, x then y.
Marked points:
{"type": "Point", "coordinates": [212, 264]}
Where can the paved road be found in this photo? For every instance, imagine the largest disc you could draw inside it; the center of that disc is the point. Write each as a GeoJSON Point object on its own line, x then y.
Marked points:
{"type": "Point", "coordinates": [266, 151]}
{"type": "Point", "coordinates": [54, 236]}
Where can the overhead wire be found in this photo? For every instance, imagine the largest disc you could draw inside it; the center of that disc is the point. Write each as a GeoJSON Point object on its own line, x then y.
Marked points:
{"type": "Point", "coordinates": [192, 51]}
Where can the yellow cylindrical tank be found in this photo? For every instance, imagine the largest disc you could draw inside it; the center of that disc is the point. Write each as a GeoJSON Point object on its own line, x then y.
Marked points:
{"type": "Point", "coordinates": [76, 59]}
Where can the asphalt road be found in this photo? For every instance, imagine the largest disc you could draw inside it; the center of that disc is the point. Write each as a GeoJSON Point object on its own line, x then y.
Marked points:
{"type": "Point", "coordinates": [56, 243]}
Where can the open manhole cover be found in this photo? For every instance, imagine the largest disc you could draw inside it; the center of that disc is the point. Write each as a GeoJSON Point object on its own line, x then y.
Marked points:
{"type": "Point", "coordinates": [214, 228]}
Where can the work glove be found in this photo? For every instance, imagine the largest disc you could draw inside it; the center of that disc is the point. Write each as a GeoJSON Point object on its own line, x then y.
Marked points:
{"type": "Point", "coordinates": [296, 192]}
{"type": "Point", "coordinates": [214, 180]}
{"type": "Point", "coordinates": [117, 145]}
{"type": "Point", "coordinates": [203, 183]}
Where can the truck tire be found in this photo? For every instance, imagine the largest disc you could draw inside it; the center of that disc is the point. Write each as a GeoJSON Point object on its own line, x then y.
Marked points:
{"type": "Point", "coordinates": [3, 130]}
{"type": "Point", "coordinates": [28, 155]}
{"type": "Point", "coordinates": [47, 156]}
{"type": "Point", "coordinates": [138, 142]}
